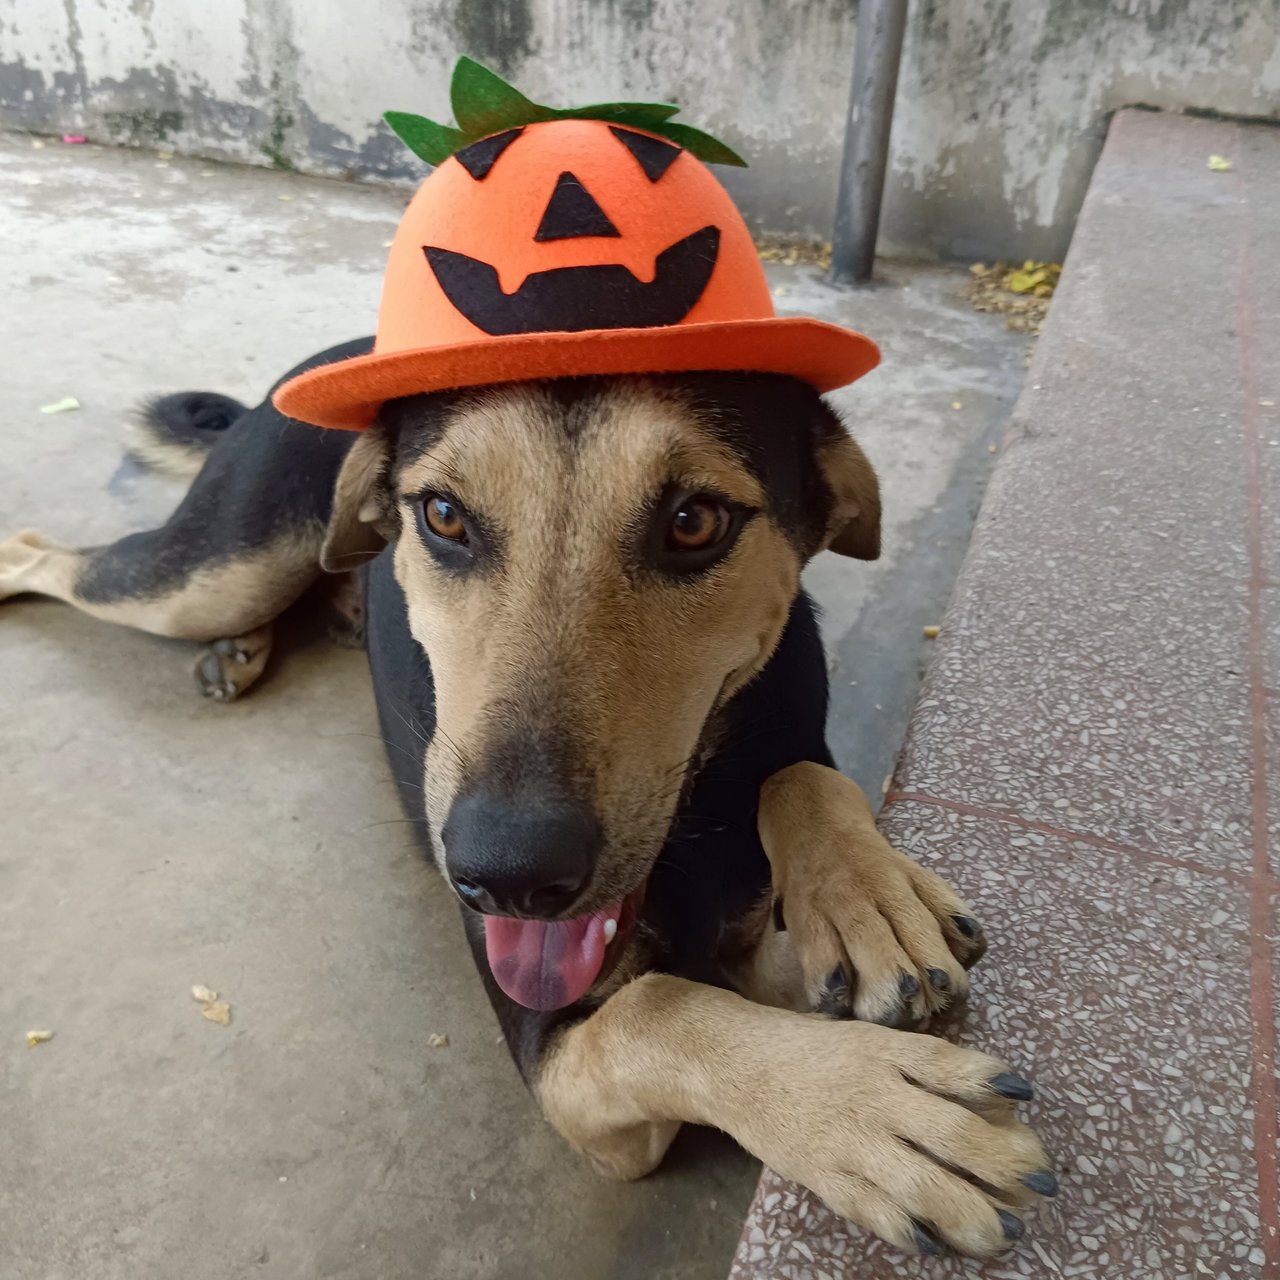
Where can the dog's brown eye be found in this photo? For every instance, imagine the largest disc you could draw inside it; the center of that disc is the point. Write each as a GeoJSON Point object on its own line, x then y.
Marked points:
{"type": "Point", "coordinates": [698, 523]}
{"type": "Point", "coordinates": [444, 519]}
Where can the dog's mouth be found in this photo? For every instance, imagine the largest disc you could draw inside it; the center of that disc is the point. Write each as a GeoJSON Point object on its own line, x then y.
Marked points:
{"type": "Point", "coordinates": [549, 964]}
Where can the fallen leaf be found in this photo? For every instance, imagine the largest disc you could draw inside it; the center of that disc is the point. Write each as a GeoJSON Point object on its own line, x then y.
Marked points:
{"type": "Point", "coordinates": [955, 404]}
{"type": "Point", "coordinates": [437, 1041]}
{"type": "Point", "coordinates": [218, 1011]}
{"type": "Point", "coordinates": [932, 633]}
{"type": "Point", "coordinates": [284, 197]}
{"type": "Point", "coordinates": [203, 994]}
{"type": "Point", "coordinates": [1267, 404]}
{"type": "Point", "coordinates": [37, 145]}
{"type": "Point", "coordinates": [1219, 164]}
{"type": "Point", "coordinates": [61, 406]}
{"type": "Point", "coordinates": [164, 155]}
{"type": "Point", "coordinates": [38, 1037]}
{"type": "Point", "coordinates": [991, 448]}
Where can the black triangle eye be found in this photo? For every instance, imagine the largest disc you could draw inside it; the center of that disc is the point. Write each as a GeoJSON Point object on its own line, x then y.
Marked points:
{"type": "Point", "coordinates": [654, 156]}
{"type": "Point", "coordinates": [572, 212]}
{"type": "Point", "coordinates": [480, 157]}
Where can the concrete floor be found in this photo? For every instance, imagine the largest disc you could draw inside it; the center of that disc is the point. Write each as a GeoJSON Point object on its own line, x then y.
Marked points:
{"type": "Point", "coordinates": [150, 840]}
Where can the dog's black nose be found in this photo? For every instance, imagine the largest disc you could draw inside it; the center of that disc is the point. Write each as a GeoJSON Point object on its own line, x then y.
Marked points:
{"type": "Point", "coordinates": [507, 857]}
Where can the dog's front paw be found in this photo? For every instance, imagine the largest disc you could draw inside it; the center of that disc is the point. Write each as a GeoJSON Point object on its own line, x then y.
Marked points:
{"type": "Point", "coordinates": [878, 937]}
{"type": "Point", "coordinates": [906, 1135]}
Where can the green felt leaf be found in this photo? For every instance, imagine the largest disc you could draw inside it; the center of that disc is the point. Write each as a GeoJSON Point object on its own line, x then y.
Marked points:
{"type": "Point", "coordinates": [484, 103]}
{"type": "Point", "coordinates": [708, 149]}
{"type": "Point", "coordinates": [429, 141]}
{"type": "Point", "coordinates": [640, 114]}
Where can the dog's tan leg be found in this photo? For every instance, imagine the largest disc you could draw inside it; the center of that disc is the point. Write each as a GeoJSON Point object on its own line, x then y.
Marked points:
{"type": "Point", "coordinates": [30, 562]}
{"type": "Point", "coordinates": [876, 935]}
{"type": "Point", "coordinates": [905, 1134]}
{"type": "Point", "coordinates": [228, 667]}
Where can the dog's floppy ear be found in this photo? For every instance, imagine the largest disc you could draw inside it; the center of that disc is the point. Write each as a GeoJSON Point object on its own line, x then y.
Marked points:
{"type": "Point", "coordinates": [853, 521]}
{"type": "Point", "coordinates": [357, 526]}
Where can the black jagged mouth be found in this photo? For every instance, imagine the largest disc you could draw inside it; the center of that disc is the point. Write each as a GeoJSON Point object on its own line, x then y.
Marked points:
{"type": "Point", "coordinates": [572, 299]}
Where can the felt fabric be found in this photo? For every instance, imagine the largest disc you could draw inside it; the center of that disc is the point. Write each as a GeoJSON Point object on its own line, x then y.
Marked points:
{"type": "Point", "coordinates": [484, 104]}
{"type": "Point", "coordinates": [655, 157]}
{"type": "Point", "coordinates": [572, 212]}
{"type": "Point", "coordinates": [571, 299]}
{"type": "Point", "coordinates": [472, 296]}
{"type": "Point", "coordinates": [480, 157]}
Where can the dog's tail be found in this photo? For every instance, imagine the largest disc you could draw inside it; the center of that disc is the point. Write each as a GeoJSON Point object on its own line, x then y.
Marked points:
{"type": "Point", "coordinates": [173, 434]}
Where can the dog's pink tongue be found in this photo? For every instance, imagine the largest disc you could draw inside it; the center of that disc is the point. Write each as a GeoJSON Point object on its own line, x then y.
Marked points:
{"type": "Point", "coordinates": [544, 964]}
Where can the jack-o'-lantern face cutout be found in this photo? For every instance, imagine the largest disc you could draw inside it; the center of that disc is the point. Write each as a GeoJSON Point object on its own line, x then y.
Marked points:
{"type": "Point", "coordinates": [566, 226]}
{"type": "Point", "coordinates": [644, 282]}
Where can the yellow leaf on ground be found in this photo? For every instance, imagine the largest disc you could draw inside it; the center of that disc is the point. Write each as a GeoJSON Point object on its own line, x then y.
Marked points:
{"type": "Point", "coordinates": [932, 633]}
{"type": "Point", "coordinates": [437, 1041]}
{"type": "Point", "coordinates": [203, 993]}
{"type": "Point", "coordinates": [218, 1011]}
{"type": "Point", "coordinates": [1219, 164]}
{"type": "Point", "coordinates": [38, 1037]}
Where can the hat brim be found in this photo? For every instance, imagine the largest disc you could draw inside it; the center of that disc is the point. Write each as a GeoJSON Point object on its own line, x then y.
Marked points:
{"type": "Point", "coordinates": [346, 395]}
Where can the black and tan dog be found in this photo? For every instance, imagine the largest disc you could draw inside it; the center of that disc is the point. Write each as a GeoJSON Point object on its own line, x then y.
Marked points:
{"type": "Point", "coordinates": [603, 689]}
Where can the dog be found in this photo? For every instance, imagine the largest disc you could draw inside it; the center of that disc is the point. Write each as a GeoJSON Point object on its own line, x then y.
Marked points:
{"type": "Point", "coordinates": [603, 696]}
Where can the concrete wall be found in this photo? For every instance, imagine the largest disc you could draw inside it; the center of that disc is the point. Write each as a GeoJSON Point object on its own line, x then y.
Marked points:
{"type": "Point", "coordinates": [1002, 103]}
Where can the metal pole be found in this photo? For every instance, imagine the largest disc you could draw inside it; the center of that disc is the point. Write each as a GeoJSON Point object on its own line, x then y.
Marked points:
{"type": "Point", "coordinates": [881, 24]}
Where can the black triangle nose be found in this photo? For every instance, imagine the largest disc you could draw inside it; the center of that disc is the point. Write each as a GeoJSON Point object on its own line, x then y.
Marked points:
{"type": "Point", "coordinates": [571, 212]}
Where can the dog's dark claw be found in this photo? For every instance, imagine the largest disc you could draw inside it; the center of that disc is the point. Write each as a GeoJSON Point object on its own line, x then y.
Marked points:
{"type": "Point", "coordinates": [1010, 1086]}
{"type": "Point", "coordinates": [908, 986]}
{"type": "Point", "coordinates": [926, 1241]}
{"type": "Point", "coordinates": [1012, 1227]}
{"type": "Point", "coordinates": [938, 980]}
{"type": "Point", "coordinates": [836, 1000]}
{"type": "Point", "coordinates": [967, 925]}
{"type": "Point", "coordinates": [1043, 1182]}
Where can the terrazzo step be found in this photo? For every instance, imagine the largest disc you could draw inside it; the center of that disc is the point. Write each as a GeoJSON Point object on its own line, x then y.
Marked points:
{"type": "Point", "coordinates": [1094, 759]}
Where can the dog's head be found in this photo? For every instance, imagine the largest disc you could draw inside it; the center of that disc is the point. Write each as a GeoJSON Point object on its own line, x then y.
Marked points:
{"type": "Point", "coordinates": [593, 567]}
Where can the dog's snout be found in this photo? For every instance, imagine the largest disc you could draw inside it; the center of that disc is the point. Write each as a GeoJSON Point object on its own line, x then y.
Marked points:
{"type": "Point", "coordinates": [507, 857]}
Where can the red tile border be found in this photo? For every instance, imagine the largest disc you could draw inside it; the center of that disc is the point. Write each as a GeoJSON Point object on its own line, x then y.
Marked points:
{"type": "Point", "coordinates": [1266, 1116]}
{"type": "Point", "coordinates": [1267, 883]}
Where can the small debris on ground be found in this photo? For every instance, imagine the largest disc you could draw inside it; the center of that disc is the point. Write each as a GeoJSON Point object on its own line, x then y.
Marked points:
{"type": "Point", "coordinates": [38, 1037]}
{"type": "Point", "coordinates": [955, 404]}
{"type": "Point", "coordinates": [1020, 294]}
{"type": "Point", "coordinates": [74, 139]}
{"type": "Point", "coordinates": [164, 155]}
{"type": "Point", "coordinates": [437, 1041]}
{"type": "Point", "coordinates": [64, 405]}
{"type": "Point", "coordinates": [886, 784]}
{"type": "Point", "coordinates": [218, 1011]}
{"type": "Point", "coordinates": [1219, 164]}
{"type": "Point", "coordinates": [992, 449]}
{"type": "Point", "coordinates": [932, 633]}
{"type": "Point", "coordinates": [37, 145]}
{"type": "Point", "coordinates": [815, 253]}
{"type": "Point", "coordinates": [211, 1007]}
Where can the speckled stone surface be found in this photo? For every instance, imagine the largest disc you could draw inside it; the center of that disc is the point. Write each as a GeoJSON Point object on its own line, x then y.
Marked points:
{"type": "Point", "coordinates": [1095, 757]}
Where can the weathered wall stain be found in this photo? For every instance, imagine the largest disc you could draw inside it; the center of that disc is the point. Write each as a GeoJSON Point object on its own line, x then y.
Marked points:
{"type": "Point", "coordinates": [1001, 110]}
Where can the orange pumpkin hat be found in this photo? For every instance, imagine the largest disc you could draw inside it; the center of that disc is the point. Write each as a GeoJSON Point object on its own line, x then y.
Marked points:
{"type": "Point", "coordinates": [551, 243]}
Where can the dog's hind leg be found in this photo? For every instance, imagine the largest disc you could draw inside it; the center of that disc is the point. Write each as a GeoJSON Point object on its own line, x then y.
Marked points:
{"type": "Point", "coordinates": [167, 583]}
